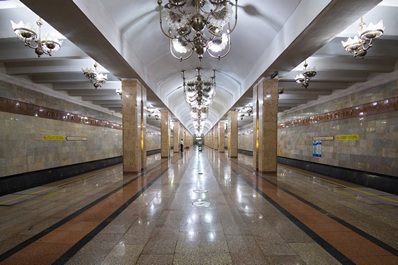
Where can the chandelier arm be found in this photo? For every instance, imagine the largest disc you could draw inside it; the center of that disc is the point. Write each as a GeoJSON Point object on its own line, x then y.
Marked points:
{"type": "Point", "coordinates": [29, 43]}
{"type": "Point", "coordinates": [236, 17]}
{"type": "Point", "coordinates": [366, 45]}
{"type": "Point", "coordinates": [161, 22]}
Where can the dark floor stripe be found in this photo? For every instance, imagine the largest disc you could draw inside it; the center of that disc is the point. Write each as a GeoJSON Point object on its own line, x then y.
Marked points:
{"type": "Point", "coordinates": [314, 236]}
{"type": "Point", "coordinates": [36, 237]}
{"type": "Point", "coordinates": [75, 248]}
{"type": "Point", "coordinates": [369, 237]}
{"type": "Point", "coordinates": [86, 239]}
{"type": "Point", "coordinates": [355, 229]}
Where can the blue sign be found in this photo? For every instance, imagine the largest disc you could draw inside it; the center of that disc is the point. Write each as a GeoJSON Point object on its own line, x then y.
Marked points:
{"type": "Point", "coordinates": [317, 148]}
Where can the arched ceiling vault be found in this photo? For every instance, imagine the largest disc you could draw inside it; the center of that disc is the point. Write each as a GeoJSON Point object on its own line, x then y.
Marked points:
{"type": "Point", "coordinates": [271, 37]}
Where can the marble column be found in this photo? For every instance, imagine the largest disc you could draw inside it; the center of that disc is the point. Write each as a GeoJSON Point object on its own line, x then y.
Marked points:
{"type": "Point", "coordinates": [232, 134]}
{"type": "Point", "coordinates": [132, 126]}
{"type": "Point", "coordinates": [181, 135]}
{"type": "Point", "coordinates": [165, 134]}
{"type": "Point", "coordinates": [190, 139]}
{"type": "Point", "coordinates": [215, 137]}
{"type": "Point", "coordinates": [255, 126]}
{"type": "Point", "coordinates": [221, 136]}
{"type": "Point", "coordinates": [265, 96]}
{"type": "Point", "coordinates": [176, 137]}
{"type": "Point", "coordinates": [143, 127]}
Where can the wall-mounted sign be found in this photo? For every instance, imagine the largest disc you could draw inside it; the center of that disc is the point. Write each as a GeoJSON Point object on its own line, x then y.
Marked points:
{"type": "Point", "coordinates": [323, 138]}
{"type": "Point", "coordinates": [351, 137]}
{"type": "Point", "coordinates": [317, 148]}
{"type": "Point", "coordinates": [76, 138]}
{"type": "Point", "coordinates": [54, 137]}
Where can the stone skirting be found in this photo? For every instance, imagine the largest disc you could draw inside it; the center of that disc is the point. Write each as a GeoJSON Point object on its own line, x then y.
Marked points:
{"type": "Point", "coordinates": [152, 152]}
{"type": "Point", "coordinates": [245, 152]}
{"type": "Point", "coordinates": [14, 183]}
{"type": "Point", "coordinates": [375, 181]}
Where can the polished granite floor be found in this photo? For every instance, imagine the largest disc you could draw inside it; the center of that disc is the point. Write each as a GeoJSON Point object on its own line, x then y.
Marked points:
{"type": "Point", "coordinates": [199, 208]}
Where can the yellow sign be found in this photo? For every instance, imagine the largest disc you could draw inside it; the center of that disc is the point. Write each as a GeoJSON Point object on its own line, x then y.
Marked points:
{"type": "Point", "coordinates": [351, 137]}
{"type": "Point", "coordinates": [54, 138]}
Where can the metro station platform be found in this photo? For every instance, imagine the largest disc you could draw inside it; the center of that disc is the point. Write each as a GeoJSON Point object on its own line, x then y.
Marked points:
{"type": "Point", "coordinates": [199, 208]}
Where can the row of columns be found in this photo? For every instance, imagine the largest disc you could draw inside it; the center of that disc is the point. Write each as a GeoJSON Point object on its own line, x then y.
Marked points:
{"type": "Point", "coordinates": [265, 109]}
{"type": "Point", "coordinates": [215, 138]}
{"type": "Point", "coordinates": [134, 98]}
{"type": "Point", "coordinates": [179, 132]}
{"type": "Point", "coordinates": [265, 117]}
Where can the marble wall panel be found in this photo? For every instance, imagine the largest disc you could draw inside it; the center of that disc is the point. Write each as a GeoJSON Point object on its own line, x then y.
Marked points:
{"type": "Point", "coordinates": [371, 115]}
{"type": "Point", "coordinates": [24, 147]}
{"type": "Point", "coordinates": [153, 138]}
{"type": "Point", "coordinates": [29, 122]}
{"type": "Point", "coordinates": [376, 149]}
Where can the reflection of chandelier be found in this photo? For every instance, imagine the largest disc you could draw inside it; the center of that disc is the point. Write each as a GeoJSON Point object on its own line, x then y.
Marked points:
{"type": "Point", "coordinates": [199, 94]}
{"type": "Point", "coordinates": [359, 45]}
{"type": "Point", "coordinates": [28, 34]}
{"type": "Point", "coordinates": [95, 78]}
{"type": "Point", "coordinates": [187, 21]}
{"type": "Point", "coordinates": [306, 76]}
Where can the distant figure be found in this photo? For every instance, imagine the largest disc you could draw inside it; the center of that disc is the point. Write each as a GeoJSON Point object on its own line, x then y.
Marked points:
{"type": "Point", "coordinates": [182, 145]}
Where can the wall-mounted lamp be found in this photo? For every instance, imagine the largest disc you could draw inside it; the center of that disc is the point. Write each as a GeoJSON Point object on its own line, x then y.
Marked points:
{"type": "Point", "coordinates": [306, 76]}
{"type": "Point", "coordinates": [358, 46]}
{"type": "Point", "coordinates": [30, 35]}
{"type": "Point", "coordinates": [96, 78]}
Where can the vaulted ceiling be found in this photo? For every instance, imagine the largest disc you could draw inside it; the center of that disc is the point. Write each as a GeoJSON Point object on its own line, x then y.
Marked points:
{"type": "Point", "coordinates": [272, 39]}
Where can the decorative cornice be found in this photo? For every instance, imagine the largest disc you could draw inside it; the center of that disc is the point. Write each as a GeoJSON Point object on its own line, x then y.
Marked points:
{"type": "Point", "coordinates": [23, 108]}
{"type": "Point", "coordinates": [358, 87]}
{"type": "Point", "coordinates": [27, 84]}
{"type": "Point", "coordinates": [377, 107]}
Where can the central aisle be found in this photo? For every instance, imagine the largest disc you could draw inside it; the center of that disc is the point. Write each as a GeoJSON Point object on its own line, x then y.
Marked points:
{"type": "Point", "coordinates": [201, 213]}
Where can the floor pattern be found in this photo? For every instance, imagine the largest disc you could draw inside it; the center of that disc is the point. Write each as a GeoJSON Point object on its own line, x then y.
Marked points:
{"type": "Point", "coordinates": [199, 208]}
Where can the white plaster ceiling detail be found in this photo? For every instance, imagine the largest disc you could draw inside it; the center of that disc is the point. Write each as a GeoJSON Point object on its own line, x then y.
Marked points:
{"type": "Point", "coordinates": [124, 38]}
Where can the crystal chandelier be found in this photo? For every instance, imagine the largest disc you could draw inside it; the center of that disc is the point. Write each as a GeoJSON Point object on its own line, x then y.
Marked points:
{"type": "Point", "coordinates": [199, 94]}
{"type": "Point", "coordinates": [188, 21]}
{"type": "Point", "coordinates": [27, 33]}
{"type": "Point", "coordinates": [306, 76]}
{"type": "Point", "coordinates": [96, 78]}
{"type": "Point", "coordinates": [359, 45]}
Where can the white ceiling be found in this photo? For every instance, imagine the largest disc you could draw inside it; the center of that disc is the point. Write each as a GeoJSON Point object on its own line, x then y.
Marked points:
{"type": "Point", "coordinates": [271, 36]}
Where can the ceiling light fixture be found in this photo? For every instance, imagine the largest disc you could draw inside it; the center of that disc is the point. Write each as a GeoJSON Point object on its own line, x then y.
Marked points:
{"type": "Point", "coordinates": [199, 94]}
{"type": "Point", "coordinates": [187, 21]}
{"type": "Point", "coordinates": [152, 111]}
{"type": "Point", "coordinates": [306, 76]}
{"type": "Point", "coordinates": [33, 40]}
{"type": "Point", "coordinates": [245, 111]}
{"type": "Point", "coordinates": [358, 46]}
{"type": "Point", "coordinates": [119, 91]}
{"type": "Point", "coordinates": [97, 79]}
